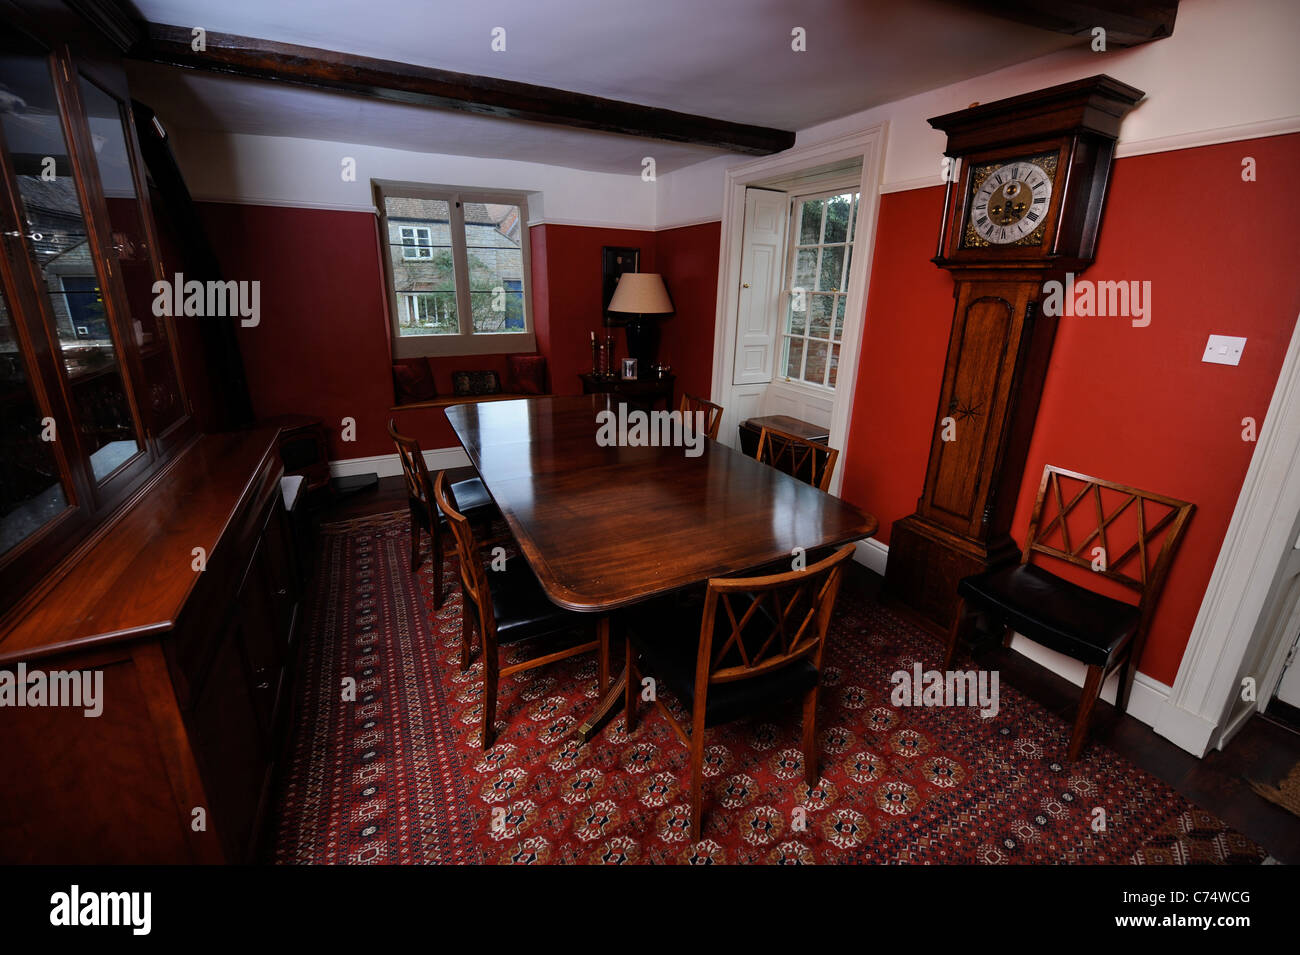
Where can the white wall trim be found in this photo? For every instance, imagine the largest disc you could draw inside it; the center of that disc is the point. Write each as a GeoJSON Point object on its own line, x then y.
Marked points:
{"type": "Point", "coordinates": [685, 224]}
{"type": "Point", "coordinates": [369, 209]}
{"type": "Point", "coordinates": [390, 465]}
{"type": "Point", "coordinates": [1158, 144]}
{"type": "Point", "coordinates": [873, 555]}
{"type": "Point", "coordinates": [1145, 700]}
{"type": "Point", "coordinates": [1232, 621]}
{"type": "Point", "coordinates": [1208, 137]}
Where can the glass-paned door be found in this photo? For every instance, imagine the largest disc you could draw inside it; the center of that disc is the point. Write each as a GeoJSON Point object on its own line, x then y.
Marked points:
{"type": "Point", "coordinates": [56, 235]}
{"type": "Point", "coordinates": [32, 491]}
{"type": "Point", "coordinates": [130, 246]}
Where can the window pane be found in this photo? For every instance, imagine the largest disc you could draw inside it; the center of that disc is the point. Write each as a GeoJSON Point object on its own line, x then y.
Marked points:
{"type": "Point", "coordinates": [838, 209]}
{"type": "Point", "coordinates": [815, 371]}
{"type": "Point", "coordinates": [31, 491]}
{"type": "Point", "coordinates": [57, 233]}
{"type": "Point", "coordinates": [493, 236]}
{"type": "Point", "coordinates": [797, 318]}
{"type": "Point", "coordinates": [805, 269]}
{"type": "Point", "coordinates": [832, 268]}
{"type": "Point", "coordinates": [810, 225]}
{"type": "Point", "coordinates": [794, 357]}
{"type": "Point", "coordinates": [835, 364]}
{"type": "Point", "coordinates": [424, 276]}
{"type": "Point", "coordinates": [135, 262]}
{"type": "Point", "coordinates": [839, 317]}
{"type": "Point", "coordinates": [819, 320]}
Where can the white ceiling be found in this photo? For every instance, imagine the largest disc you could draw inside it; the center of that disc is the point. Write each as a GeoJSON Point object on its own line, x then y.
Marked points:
{"type": "Point", "coordinates": [727, 59]}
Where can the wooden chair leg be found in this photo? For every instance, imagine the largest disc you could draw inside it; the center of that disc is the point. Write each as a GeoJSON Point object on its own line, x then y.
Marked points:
{"type": "Point", "coordinates": [602, 631]}
{"type": "Point", "coordinates": [1091, 691]}
{"type": "Point", "coordinates": [697, 772]}
{"type": "Point", "coordinates": [811, 764]}
{"type": "Point", "coordinates": [1125, 688]}
{"type": "Point", "coordinates": [415, 537]}
{"type": "Point", "coordinates": [958, 632]}
{"type": "Point", "coordinates": [435, 538]}
{"type": "Point", "coordinates": [466, 635]}
{"type": "Point", "coordinates": [491, 677]}
{"type": "Point", "coordinates": [631, 690]}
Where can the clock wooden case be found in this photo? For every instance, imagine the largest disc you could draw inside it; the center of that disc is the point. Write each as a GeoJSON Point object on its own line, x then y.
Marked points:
{"type": "Point", "coordinates": [1025, 206]}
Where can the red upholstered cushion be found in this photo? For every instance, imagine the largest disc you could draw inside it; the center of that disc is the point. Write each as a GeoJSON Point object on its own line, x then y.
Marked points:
{"type": "Point", "coordinates": [413, 380]}
{"type": "Point", "coordinates": [526, 374]}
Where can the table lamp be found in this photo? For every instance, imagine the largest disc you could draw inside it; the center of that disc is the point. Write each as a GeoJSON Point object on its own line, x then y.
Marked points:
{"type": "Point", "coordinates": [642, 298]}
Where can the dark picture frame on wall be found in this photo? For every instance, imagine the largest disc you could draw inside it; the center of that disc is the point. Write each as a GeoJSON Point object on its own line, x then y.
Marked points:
{"type": "Point", "coordinates": [614, 261]}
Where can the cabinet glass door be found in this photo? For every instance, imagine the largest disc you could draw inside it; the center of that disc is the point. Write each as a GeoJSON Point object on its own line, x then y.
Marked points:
{"type": "Point", "coordinates": [31, 488]}
{"type": "Point", "coordinates": [57, 236]}
{"type": "Point", "coordinates": [161, 401]}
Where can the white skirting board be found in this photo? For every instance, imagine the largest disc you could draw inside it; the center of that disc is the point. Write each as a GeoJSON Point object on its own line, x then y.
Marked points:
{"type": "Point", "coordinates": [1146, 700]}
{"type": "Point", "coordinates": [390, 465]}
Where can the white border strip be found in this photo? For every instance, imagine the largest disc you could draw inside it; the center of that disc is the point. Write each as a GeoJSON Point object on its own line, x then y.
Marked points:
{"type": "Point", "coordinates": [390, 465]}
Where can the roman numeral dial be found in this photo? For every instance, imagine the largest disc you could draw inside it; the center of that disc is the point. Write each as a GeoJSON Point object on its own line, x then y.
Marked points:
{"type": "Point", "coordinates": [1009, 201]}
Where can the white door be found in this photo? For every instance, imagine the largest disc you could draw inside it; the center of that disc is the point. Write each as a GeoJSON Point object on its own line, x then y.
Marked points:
{"type": "Point", "coordinates": [761, 263]}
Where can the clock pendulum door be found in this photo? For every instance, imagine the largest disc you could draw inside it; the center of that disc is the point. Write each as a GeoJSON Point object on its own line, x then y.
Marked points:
{"type": "Point", "coordinates": [1026, 207]}
{"type": "Point", "coordinates": [997, 358]}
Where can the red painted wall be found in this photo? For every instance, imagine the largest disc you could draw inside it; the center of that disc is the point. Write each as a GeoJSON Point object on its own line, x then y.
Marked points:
{"type": "Point", "coordinates": [688, 260]}
{"type": "Point", "coordinates": [572, 280]}
{"type": "Point", "coordinates": [1134, 405]}
{"type": "Point", "coordinates": [322, 345]}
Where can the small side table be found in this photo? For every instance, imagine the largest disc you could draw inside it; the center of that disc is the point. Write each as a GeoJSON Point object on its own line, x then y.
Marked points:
{"type": "Point", "coordinates": [751, 428]}
{"type": "Point", "coordinates": [643, 391]}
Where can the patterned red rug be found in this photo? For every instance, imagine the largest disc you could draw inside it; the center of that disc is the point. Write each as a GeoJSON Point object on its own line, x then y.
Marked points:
{"type": "Point", "coordinates": [398, 776]}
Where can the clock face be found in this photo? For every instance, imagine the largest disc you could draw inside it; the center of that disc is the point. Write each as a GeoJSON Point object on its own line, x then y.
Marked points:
{"type": "Point", "coordinates": [1009, 202]}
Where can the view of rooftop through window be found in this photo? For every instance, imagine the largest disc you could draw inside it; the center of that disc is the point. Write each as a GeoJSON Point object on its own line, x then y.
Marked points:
{"type": "Point", "coordinates": [424, 238]}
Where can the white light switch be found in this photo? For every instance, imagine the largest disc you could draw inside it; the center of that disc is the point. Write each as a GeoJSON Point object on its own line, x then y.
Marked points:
{"type": "Point", "coordinates": [1224, 350]}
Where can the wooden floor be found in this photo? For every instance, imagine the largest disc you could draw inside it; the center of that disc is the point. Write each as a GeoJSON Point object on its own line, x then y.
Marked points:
{"type": "Point", "coordinates": [1264, 751]}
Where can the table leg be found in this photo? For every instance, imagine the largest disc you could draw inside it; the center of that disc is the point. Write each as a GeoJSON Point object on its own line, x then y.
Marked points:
{"type": "Point", "coordinates": [606, 708]}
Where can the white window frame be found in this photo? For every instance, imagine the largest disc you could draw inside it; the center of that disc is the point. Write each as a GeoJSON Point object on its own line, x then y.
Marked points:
{"type": "Point", "coordinates": [467, 342]}
{"type": "Point", "coordinates": [418, 244]}
{"type": "Point", "coordinates": [841, 294]}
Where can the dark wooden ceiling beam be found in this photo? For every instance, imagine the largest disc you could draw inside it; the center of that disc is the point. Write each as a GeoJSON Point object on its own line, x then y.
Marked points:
{"type": "Point", "coordinates": [1126, 22]}
{"type": "Point", "coordinates": [425, 86]}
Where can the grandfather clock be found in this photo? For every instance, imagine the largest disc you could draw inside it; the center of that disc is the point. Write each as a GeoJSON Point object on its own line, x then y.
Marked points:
{"type": "Point", "coordinates": [1023, 208]}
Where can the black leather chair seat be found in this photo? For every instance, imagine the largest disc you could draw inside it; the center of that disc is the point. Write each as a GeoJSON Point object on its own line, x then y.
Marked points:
{"type": "Point", "coordinates": [522, 608]}
{"type": "Point", "coordinates": [667, 634]}
{"type": "Point", "coordinates": [471, 496]}
{"type": "Point", "coordinates": [1054, 612]}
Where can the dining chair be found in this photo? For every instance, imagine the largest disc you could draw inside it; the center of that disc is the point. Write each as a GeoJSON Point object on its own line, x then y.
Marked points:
{"type": "Point", "coordinates": [712, 413]}
{"type": "Point", "coordinates": [508, 607]}
{"type": "Point", "coordinates": [759, 641]}
{"type": "Point", "coordinates": [1115, 531]}
{"type": "Point", "coordinates": [471, 495]}
{"type": "Point", "coordinates": [798, 457]}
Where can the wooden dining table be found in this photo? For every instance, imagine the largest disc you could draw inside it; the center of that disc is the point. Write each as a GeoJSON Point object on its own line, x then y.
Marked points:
{"type": "Point", "coordinates": [607, 527]}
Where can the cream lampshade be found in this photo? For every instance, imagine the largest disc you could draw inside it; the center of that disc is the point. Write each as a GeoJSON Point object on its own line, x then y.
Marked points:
{"type": "Point", "coordinates": [642, 297]}
{"type": "Point", "coordinates": [641, 293]}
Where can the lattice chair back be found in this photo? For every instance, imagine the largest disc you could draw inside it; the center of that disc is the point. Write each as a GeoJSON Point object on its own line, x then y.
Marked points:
{"type": "Point", "coordinates": [800, 458]}
{"type": "Point", "coordinates": [754, 625]}
{"type": "Point", "coordinates": [1125, 534]}
{"type": "Point", "coordinates": [418, 485]}
{"type": "Point", "coordinates": [712, 413]}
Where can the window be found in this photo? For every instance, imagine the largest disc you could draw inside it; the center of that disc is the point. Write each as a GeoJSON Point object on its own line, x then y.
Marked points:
{"type": "Point", "coordinates": [416, 243]}
{"type": "Point", "coordinates": [457, 268]}
{"type": "Point", "coordinates": [817, 277]}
